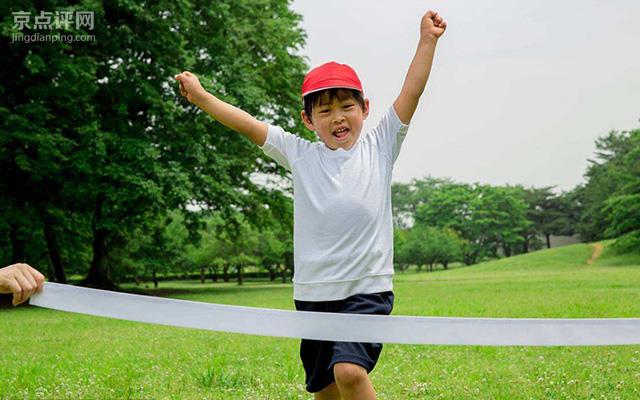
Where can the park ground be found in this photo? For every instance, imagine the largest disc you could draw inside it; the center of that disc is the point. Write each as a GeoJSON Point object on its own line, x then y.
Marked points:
{"type": "Point", "coordinates": [51, 354]}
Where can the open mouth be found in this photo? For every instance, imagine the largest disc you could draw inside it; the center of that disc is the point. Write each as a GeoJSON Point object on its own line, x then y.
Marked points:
{"type": "Point", "coordinates": [341, 133]}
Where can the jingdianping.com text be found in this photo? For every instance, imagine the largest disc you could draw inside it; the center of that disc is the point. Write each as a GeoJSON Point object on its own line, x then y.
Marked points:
{"type": "Point", "coordinates": [39, 37]}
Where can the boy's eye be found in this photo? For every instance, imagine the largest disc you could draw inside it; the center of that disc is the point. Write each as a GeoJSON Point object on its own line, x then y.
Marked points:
{"type": "Point", "coordinates": [348, 106]}
{"type": "Point", "coordinates": [324, 111]}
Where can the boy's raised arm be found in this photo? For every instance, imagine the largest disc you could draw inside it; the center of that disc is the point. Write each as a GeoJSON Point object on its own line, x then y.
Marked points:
{"type": "Point", "coordinates": [228, 115]}
{"type": "Point", "coordinates": [432, 27]}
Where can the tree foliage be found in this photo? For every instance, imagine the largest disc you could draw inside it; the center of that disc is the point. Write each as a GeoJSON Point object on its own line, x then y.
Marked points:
{"type": "Point", "coordinates": [610, 199]}
{"type": "Point", "coordinates": [427, 245]}
{"type": "Point", "coordinates": [97, 146]}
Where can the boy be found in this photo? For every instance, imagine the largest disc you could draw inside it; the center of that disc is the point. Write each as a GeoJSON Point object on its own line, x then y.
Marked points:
{"type": "Point", "coordinates": [343, 232]}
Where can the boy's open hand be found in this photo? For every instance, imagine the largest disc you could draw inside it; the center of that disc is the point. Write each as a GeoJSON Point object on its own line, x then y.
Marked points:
{"type": "Point", "coordinates": [432, 25]}
{"type": "Point", "coordinates": [22, 280]}
{"type": "Point", "coordinates": [190, 86]}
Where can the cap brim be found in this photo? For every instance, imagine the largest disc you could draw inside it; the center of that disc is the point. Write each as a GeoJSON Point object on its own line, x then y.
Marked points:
{"type": "Point", "coordinates": [332, 87]}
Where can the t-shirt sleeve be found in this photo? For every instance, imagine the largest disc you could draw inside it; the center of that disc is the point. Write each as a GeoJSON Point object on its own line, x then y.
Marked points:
{"type": "Point", "coordinates": [389, 134]}
{"type": "Point", "coordinates": [284, 147]}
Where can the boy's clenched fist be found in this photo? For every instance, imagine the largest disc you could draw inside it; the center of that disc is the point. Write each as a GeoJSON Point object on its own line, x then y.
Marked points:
{"type": "Point", "coordinates": [190, 86]}
{"type": "Point", "coordinates": [432, 25]}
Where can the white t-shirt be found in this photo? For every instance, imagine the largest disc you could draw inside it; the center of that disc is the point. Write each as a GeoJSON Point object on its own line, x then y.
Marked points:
{"type": "Point", "coordinates": [343, 230]}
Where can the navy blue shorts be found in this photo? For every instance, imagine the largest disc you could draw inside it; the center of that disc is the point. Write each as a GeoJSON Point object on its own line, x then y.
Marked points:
{"type": "Point", "coordinates": [319, 356]}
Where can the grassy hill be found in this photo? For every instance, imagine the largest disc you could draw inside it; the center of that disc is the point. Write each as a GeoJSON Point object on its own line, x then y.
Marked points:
{"type": "Point", "coordinates": [50, 354]}
{"type": "Point", "coordinates": [556, 283]}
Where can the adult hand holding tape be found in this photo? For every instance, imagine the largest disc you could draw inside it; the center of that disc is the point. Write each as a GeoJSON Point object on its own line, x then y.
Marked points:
{"type": "Point", "coordinates": [22, 280]}
{"type": "Point", "coordinates": [338, 326]}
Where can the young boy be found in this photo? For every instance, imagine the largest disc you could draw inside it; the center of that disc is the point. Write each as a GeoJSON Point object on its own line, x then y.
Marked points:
{"type": "Point", "coordinates": [343, 233]}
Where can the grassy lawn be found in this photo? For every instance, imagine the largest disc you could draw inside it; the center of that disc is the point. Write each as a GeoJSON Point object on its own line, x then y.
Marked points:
{"type": "Point", "coordinates": [50, 354]}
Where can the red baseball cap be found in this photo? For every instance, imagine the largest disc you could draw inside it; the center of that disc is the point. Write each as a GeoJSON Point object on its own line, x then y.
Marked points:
{"type": "Point", "coordinates": [330, 75]}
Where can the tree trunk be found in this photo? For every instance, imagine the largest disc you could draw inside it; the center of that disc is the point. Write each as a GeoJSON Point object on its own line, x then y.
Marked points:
{"type": "Point", "coordinates": [225, 273]}
{"type": "Point", "coordinates": [445, 264]}
{"type": "Point", "coordinates": [272, 272]}
{"type": "Point", "coordinates": [17, 245]}
{"type": "Point", "coordinates": [155, 279]}
{"type": "Point", "coordinates": [214, 275]}
{"type": "Point", "coordinates": [240, 278]}
{"type": "Point", "coordinates": [507, 250]}
{"type": "Point", "coordinates": [201, 274]}
{"type": "Point", "coordinates": [289, 262]}
{"type": "Point", "coordinates": [54, 250]}
{"type": "Point", "coordinates": [283, 270]}
{"type": "Point", "coordinates": [548, 236]}
{"type": "Point", "coordinates": [98, 276]}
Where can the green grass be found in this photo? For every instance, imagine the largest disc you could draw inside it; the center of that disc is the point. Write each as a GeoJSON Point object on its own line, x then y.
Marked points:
{"type": "Point", "coordinates": [50, 354]}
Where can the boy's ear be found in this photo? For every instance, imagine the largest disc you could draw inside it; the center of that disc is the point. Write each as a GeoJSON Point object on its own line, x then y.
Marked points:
{"type": "Point", "coordinates": [307, 121]}
{"type": "Point", "coordinates": [365, 112]}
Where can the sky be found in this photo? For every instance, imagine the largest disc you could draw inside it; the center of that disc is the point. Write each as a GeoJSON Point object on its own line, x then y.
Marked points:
{"type": "Point", "coordinates": [518, 92]}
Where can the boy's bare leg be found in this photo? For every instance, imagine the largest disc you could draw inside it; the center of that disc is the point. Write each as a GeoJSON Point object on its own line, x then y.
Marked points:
{"type": "Point", "coordinates": [331, 392]}
{"type": "Point", "coordinates": [353, 382]}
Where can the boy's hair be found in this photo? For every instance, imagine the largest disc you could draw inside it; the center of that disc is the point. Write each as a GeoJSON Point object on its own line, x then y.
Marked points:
{"type": "Point", "coordinates": [326, 96]}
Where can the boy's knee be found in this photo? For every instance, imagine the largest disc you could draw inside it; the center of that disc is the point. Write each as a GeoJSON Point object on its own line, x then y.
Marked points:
{"type": "Point", "coordinates": [348, 374]}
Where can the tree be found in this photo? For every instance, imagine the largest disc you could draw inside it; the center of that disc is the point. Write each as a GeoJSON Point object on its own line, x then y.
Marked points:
{"type": "Point", "coordinates": [446, 204]}
{"type": "Point", "coordinates": [608, 201]}
{"type": "Point", "coordinates": [622, 208]}
{"type": "Point", "coordinates": [427, 245]}
{"type": "Point", "coordinates": [449, 247]}
{"type": "Point", "coordinates": [98, 131]}
{"type": "Point", "coordinates": [271, 251]}
{"type": "Point", "coordinates": [150, 252]}
{"type": "Point", "coordinates": [401, 257]}
{"type": "Point", "coordinates": [44, 109]}
{"type": "Point", "coordinates": [486, 217]}
{"type": "Point", "coordinates": [499, 219]}
{"type": "Point", "coordinates": [281, 216]}
{"type": "Point", "coordinates": [549, 214]}
{"type": "Point", "coordinates": [208, 255]}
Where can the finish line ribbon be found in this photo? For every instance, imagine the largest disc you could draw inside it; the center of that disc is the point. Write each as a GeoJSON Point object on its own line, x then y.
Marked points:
{"type": "Point", "coordinates": [337, 326]}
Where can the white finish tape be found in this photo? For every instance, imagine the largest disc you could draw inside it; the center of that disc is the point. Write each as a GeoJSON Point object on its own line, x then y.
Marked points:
{"type": "Point", "coordinates": [340, 327]}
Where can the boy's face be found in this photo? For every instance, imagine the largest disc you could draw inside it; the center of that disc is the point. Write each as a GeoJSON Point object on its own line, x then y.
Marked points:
{"type": "Point", "coordinates": [339, 123]}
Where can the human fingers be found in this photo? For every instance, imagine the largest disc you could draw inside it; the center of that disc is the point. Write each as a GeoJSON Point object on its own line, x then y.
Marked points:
{"type": "Point", "coordinates": [8, 274]}
{"type": "Point", "coordinates": [20, 292]}
{"type": "Point", "coordinates": [14, 288]}
{"type": "Point", "coordinates": [184, 75]}
{"type": "Point", "coordinates": [27, 285]}
{"type": "Point", "coordinates": [181, 78]}
{"type": "Point", "coordinates": [430, 14]}
{"type": "Point", "coordinates": [5, 277]}
{"type": "Point", "coordinates": [38, 277]}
